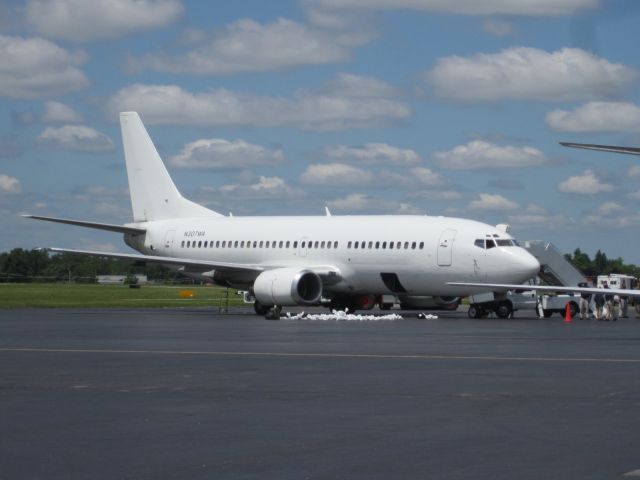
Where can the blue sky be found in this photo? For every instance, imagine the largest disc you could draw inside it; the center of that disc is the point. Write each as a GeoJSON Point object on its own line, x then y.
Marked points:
{"type": "Point", "coordinates": [369, 106]}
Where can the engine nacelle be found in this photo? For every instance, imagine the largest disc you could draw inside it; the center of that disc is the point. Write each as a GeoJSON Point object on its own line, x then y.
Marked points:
{"type": "Point", "coordinates": [288, 286]}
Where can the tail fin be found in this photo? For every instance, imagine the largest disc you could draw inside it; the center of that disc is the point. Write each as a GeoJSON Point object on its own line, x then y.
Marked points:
{"type": "Point", "coordinates": [154, 196]}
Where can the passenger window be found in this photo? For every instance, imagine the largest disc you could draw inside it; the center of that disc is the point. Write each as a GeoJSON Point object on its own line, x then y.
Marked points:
{"type": "Point", "coordinates": [281, 244]}
{"type": "Point", "coordinates": [413, 245]}
{"type": "Point", "coordinates": [370, 245]}
{"type": "Point", "coordinates": [328, 244]}
{"type": "Point", "coordinates": [406, 245]}
{"type": "Point", "coordinates": [295, 244]}
{"type": "Point", "coordinates": [390, 245]}
{"type": "Point", "coordinates": [287, 244]}
{"type": "Point", "coordinates": [355, 245]}
{"type": "Point", "coordinates": [189, 244]}
{"type": "Point", "coordinates": [421, 245]}
{"type": "Point", "coordinates": [335, 245]}
{"type": "Point", "coordinates": [315, 245]}
{"type": "Point", "coordinates": [384, 245]}
{"type": "Point", "coordinates": [255, 244]}
{"type": "Point", "coordinates": [235, 244]}
{"type": "Point", "coordinates": [322, 244]}
{"type": "Point", "coordinates": [182, 244]}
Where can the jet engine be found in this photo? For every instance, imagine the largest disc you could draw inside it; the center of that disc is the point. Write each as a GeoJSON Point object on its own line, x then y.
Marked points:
{"type": "Point", "coordinates": [288, 286]}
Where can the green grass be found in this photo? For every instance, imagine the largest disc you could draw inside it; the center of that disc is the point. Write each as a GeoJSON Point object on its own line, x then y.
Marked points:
{"type": "Point", "coordinates": [54, 295]}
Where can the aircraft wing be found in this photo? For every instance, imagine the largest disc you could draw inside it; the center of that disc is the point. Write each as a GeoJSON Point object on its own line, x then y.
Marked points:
{"type": "Point", "coordinates": [201, 265]}
{"type": "Point", "coordinates": [603, 148]}
{"type": "Point", "coordinates": [548, 288]}
{"type": "Point", "coordinates": [328, 273]}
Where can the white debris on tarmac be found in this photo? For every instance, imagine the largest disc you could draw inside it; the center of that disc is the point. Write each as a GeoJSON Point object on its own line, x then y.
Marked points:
{"type": "Point", "coordinates": [428, 316]}
{"type": "Point", "coordinates": [339, 315]}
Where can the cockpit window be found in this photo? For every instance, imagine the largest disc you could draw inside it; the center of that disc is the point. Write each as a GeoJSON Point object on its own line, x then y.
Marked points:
{"type": "Point", "coordinates": [505, 243]}
{"type": "Point", "coordinates": [490, 243]}
{"type": "Point", "coordinates": [479, 243]}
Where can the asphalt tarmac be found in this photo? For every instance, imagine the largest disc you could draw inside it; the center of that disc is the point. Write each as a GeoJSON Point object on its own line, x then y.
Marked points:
{"type": "Point", "coordinates": [193, 394]}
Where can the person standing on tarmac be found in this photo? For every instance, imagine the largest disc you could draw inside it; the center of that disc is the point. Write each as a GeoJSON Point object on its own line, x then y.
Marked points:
{"type": "Point", "coordinates": [598, 298]}
{"type": "Point", "coordinates": [624, 301]}
{"type": "Point", "coordinates": [585, 299]}
{"type": "Point", "coordinates": [608, 303]}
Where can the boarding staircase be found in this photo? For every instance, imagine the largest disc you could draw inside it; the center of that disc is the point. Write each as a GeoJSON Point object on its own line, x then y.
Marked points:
{"type": "Point", "coordinates": [554, 268]}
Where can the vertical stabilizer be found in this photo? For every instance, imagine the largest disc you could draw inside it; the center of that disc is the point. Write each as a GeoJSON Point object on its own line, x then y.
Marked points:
{"type": "Point", "coordinates": [154, 196]}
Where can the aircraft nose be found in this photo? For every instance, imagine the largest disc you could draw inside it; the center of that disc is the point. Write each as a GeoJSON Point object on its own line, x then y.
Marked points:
{"type": "Point", "coordinates": [528, 264]}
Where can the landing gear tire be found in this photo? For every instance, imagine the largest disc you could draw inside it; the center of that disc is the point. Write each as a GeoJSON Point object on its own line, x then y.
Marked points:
{"type": "Point", "coordinates": [260, 309]}
{"type": "Point", "coordinates": [273, 313]}
{"type": "Point", "coordinates": [474, 311]}
{"type": "Point", "coordinates": [340, 304]}
{"type": "Point", "coordinates": [504, 309]}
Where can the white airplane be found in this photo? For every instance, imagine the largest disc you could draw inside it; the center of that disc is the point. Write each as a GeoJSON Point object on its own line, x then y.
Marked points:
{"type": "Point", "coordinates": [345, 261]}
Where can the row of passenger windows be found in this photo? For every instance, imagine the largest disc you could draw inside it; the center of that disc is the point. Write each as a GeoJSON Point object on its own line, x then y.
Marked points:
{"type": "Point", "coordinates": [303, 244]}
{"type": "Point", "coordinates": [383, 245]}
{"type": "Point", "coordinates": [258, 244]}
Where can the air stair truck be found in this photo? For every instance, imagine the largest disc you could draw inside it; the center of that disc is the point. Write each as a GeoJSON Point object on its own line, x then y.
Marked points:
{"type": "Point", "coordinates": [554, 270]}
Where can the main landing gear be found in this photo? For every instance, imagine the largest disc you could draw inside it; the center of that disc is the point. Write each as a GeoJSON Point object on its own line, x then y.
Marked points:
{"type": "Point", "coordinates": [502, 308]}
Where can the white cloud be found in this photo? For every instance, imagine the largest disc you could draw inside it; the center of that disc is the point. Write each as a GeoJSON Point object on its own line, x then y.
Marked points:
{"type": "Point", "coordinates": [499, 28]}
{"type": "Point", "coordinates": [336, 174]}
{"type": "Point", "coordinates": [326, 109]}
{"type": "Point", "coordinates": [223, 154]}
{"type": "Point", "coordinates": [9, 184]}
{"type": "Point", "coordinates": [529, 74]}
{"type": "Point", "coordinates": [76, 137]}
{"type": "Point", "coordinates": [487, 201]}
{"type": "Point", "coordinates": [373, 153]}
{"type": "Point", "coordinates": [597, 117]}
{"type": "Point", "coordinates": [266, 188]}
{"type": "Point", "coordinates": [585, 184]}
{"type": "Point", "coordinates": [81, 20]}
{"type": "Point", "coordinates": [35, 68]}
{"type": "Point", "coordinates": [468, 7]}
{"type": "Point", "coordinates": [363, 203]}
{"type": "Point", "coordinates": [479, 154]}
{"type": "Point", "coordinates": [427, 177]}
{"type": "Point", "coordinates": [633, 171]}
{"type": "Point", "coordinates": [248, 46]}
{"type": "Point", "coordinates": [607, 208]}
{"type": "Point", "coordinates": [56, 112]}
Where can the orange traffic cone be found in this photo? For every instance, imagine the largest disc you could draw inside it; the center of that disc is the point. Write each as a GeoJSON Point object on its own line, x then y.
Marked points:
{"type": "Point", "coordinates": [567, 314]}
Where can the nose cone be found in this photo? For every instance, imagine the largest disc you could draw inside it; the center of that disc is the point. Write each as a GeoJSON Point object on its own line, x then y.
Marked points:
{"type": "Point", "coordinates": [526, 266]}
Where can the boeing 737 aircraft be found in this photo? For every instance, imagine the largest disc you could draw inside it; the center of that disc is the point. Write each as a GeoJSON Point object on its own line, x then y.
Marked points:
{"type": "Point", "coordinates": [344, 261]}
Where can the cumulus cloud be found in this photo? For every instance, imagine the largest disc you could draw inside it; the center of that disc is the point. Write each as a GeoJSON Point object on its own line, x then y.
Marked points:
{"type": "Point", "coordinates": [373, 153]}
{"type": "Point", "coordinates": [217, 153]}
{"type": "Point", "coordinates": [266, 188]}
{"type": "Point", "coordinates": [248, 46]}
{"type": "Point", "coordinates": [76, 137]}
{"type": "Point", "coordinates": [529, 74]}
{"type": "Point", "coordinates": [336, 174]}
{"type": "Point", "coordinates": [480, 154]}
{"type": "Point", "coordinates": [81, 21]}
{"type": "Point", "coordinates": [363, 203]}
{"type": "Point", "coordinates": [56, 112]}
{"type": "Point", "coordinates": [633, 171]}
{"type": "Point", "coordinates": [427, 177]}
{"type": "Point", "coordinates": [467, 7]}
{"type": "Point", "coordinates": [325, 109]}
{"type": "Point", "coordinates": [9, 184]}
{"type": "Point", "coordinates": [487, 201]}
{"type": "Point", "coordinates": [35, 68]}
{"type": "Point", "coordinates": [585, 184]}
{"type": "Point", "coordinates": [597, 117]}
{"type": "Point", "coordinates": [499, 28]}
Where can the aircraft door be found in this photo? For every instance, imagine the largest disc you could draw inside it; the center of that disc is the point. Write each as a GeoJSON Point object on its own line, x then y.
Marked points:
{"type": "Point", "coordinates": [445, 247]}
{"type": "Point", "coordinates": [168, 239]}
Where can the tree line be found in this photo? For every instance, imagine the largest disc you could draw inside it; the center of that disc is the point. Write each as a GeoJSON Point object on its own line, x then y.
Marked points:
{"type": "Point", "coordinates": [21, 265]}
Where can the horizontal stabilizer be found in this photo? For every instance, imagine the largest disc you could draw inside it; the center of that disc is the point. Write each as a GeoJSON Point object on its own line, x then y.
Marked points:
{"type": "Point", "coordinates": [603, 148]}
{"type": "Point", "coordinates": [99, 226]}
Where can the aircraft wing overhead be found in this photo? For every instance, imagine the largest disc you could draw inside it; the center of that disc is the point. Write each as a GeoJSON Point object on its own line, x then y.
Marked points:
{"type": "Point", "coordinates": [201, 265]}
{"type": "Point", "coordinates": [548, 288]}
{"type": "Point", "coordinates": [603, 148]}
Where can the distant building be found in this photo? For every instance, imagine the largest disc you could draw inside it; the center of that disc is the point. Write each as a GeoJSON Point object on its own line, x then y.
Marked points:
{"type": "Point", "coordinates": [119, 279]}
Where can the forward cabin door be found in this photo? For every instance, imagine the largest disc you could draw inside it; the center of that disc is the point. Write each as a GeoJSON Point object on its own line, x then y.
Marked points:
{"type": "Point", "coordinates": [445, 247]}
